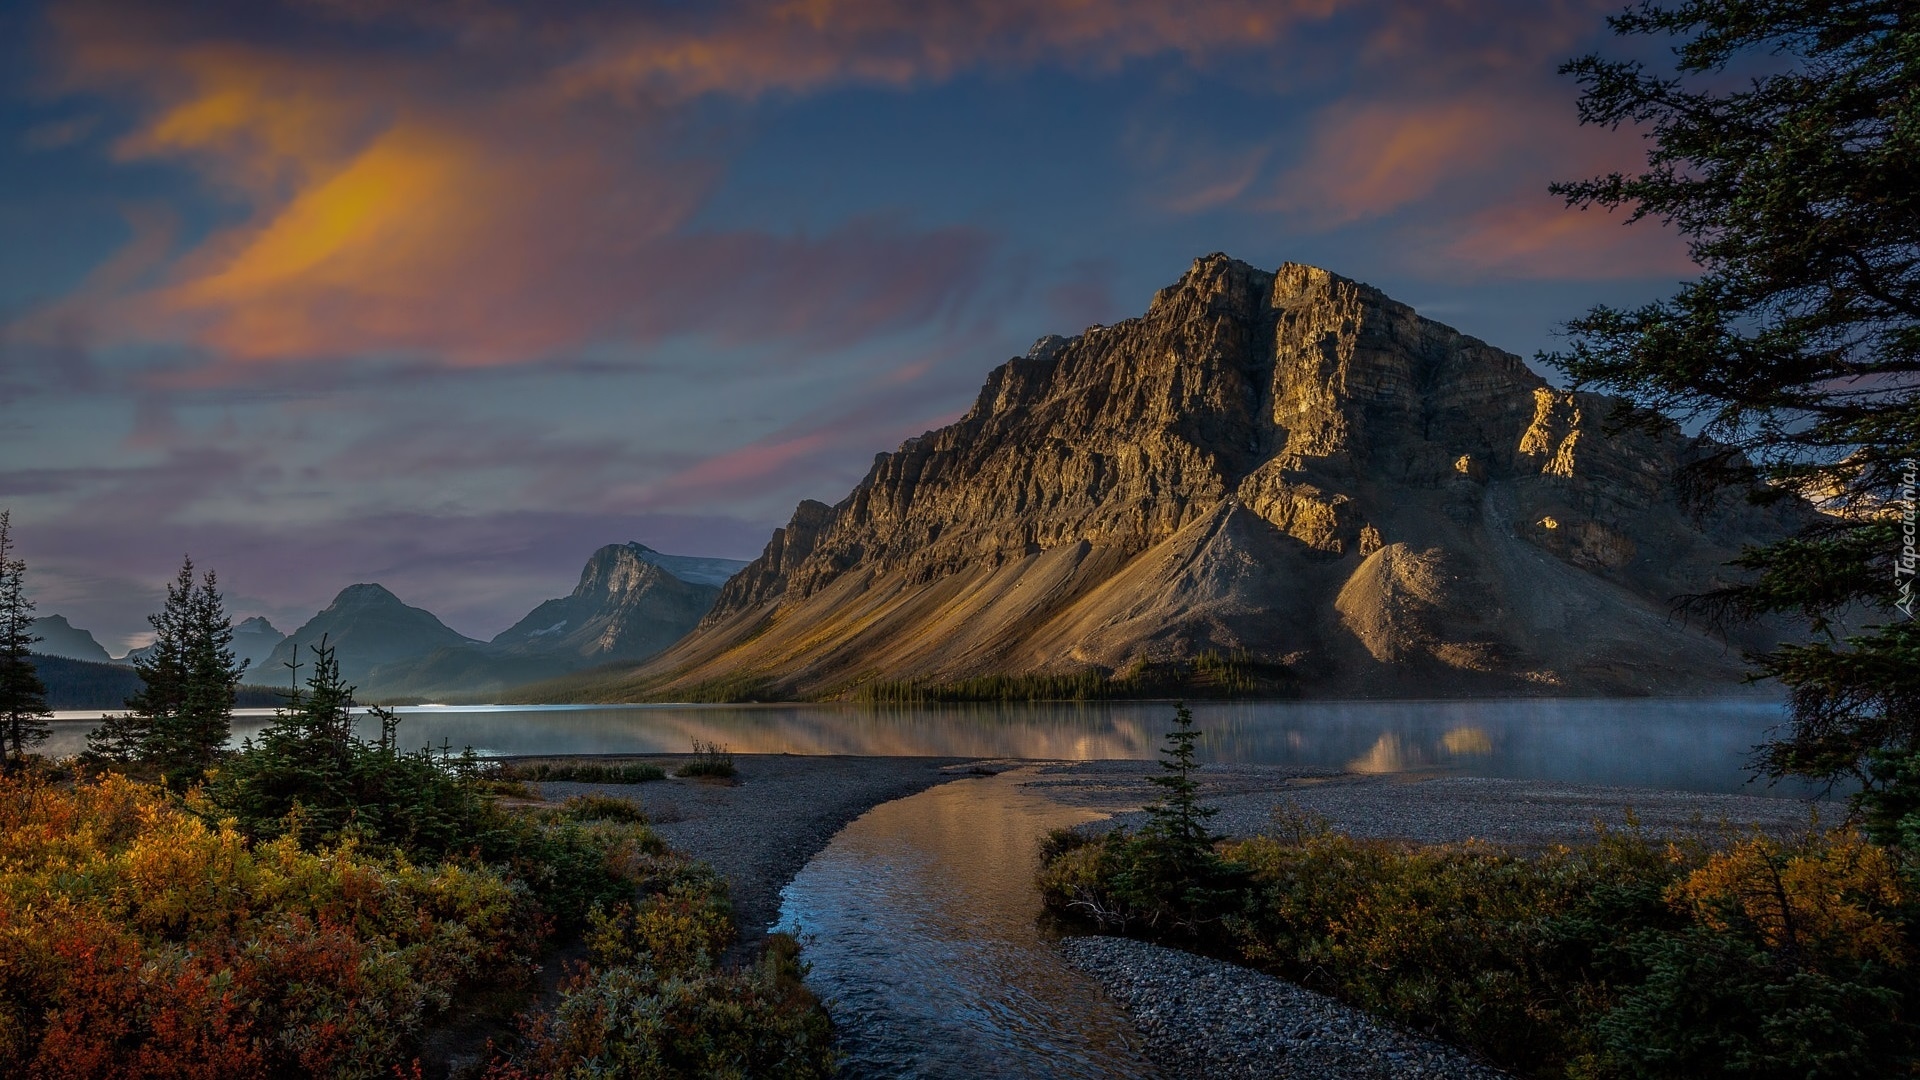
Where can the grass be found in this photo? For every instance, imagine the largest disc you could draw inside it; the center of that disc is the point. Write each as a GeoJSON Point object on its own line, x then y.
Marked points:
{"type": "Point", "coordinates": [597, 807]}
{"type": "Point", "coordinates": [586, 772]}
{"type": "Point", "coordinates": [710, 761]}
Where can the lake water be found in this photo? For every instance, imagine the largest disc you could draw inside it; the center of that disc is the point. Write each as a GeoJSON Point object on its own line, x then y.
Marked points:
{"type": "Point", "coordinates": [1688, 744]}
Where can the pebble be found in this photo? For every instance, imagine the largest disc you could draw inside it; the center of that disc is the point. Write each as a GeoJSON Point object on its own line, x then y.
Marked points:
{"type": "Point", "coordinates": [1205, 1019]}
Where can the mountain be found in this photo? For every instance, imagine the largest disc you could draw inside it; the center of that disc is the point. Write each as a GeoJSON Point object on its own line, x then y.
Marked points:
{"type": "Point", "coordinates": [1286, 468]}
{"type": "Point", "coordinates": [631, 602]}
{"type": "Point", "coordinates": [254, 640]}
{"type": "Point", "coordinates": [367, 627]}
{"type": "Point", "coordinates": [58, 637]}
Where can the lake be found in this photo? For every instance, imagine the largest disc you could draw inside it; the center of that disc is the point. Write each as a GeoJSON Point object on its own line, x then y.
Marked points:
{"type": "Point", "coordinates": [1688, 744]}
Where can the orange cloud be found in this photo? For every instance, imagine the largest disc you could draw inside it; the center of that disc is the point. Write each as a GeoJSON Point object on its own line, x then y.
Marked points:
{"type": "Point", "coordinates": [1539, 237]}
{"type": "Point", "coordinates": [803, 45]}
{"type": "Point", "coordinates": [1371, 158]}
{"type": "Point", "coordinates": [513, 192]}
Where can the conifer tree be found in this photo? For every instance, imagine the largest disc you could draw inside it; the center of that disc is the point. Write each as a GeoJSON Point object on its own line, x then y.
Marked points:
{"type": "Point", "coordinates": [183, 713]}
{"type": "Point", "coordinates": [1797, 348]}
{"type": "Point", "coordinates": [23, 697]}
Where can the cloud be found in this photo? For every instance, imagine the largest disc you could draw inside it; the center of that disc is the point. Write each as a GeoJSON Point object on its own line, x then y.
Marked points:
{"type": "Point", "coordinates": [1371, 158]}
{"type": "Point", "coordinates": [1541, 238]}
{"type": "Point", "coordinates": [482, 183]}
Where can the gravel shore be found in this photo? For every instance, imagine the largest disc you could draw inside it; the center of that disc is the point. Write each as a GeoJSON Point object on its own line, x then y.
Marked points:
{"type": "Point", "coordinates": [1428, 809]}
{"type": "Point", "coordinates": [778, 812]}
{"type": "Point", "coordinates": [1205, 1019]}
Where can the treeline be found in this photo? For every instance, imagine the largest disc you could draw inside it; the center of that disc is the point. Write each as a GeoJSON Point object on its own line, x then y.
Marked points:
{"type": "Point", "coordinates": [89, 684]}
{"type": "Point", "coordinates": [1211, 674]}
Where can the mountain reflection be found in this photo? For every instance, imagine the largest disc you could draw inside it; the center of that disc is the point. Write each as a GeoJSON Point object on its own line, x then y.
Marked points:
{"type": "Point", "coordinates": [1681, 744]}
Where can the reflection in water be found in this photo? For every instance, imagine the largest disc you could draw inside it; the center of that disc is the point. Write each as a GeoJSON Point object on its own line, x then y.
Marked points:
{"type": "Point", "coordinates": [1388, 754]}
{"type": "Point", "coordinates": [1462, 741]}
{"type": "Point", "coordinates": [1643, 742]}
{"type": "Point", "coordinates": [920, 922]}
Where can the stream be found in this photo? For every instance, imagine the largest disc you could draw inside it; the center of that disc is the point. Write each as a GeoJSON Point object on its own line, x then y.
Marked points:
{"type": "Point", "coordinates": [921, 921]}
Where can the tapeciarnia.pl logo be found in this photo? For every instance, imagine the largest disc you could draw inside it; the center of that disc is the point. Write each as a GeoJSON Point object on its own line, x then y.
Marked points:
{"type": "Point", "coordinates": [1903, 567]}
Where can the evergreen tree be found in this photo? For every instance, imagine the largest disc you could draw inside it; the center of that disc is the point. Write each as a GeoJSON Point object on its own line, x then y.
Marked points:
{"type": "Point", "coordinates": [183, 713]}
{"type": "Point", "coordinates": [23, 698]}
{"type": "Point", "coordinates": [1178, 823]}
{"type": "Point", "coordinates": [1797, 349]}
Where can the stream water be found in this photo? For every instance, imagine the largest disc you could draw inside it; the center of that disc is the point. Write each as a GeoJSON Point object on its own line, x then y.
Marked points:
{"type": "Point", "coordinates": [921, 923]}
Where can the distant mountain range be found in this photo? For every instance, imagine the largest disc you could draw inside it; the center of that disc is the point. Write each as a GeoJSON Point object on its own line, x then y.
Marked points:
{"type": "Point", "coordinates": [630, 603]}
{"type": "Point", "coordinates": [254, 640]}
{"type": "Point", "coordinates": [1285, 469]}
{"type": "Point", "coordinates": [58, 637]}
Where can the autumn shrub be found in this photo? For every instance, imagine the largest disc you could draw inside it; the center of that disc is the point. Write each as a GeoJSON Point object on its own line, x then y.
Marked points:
{"type": "Point", "coordinates": [1619, 957]}
{"type": "Point", "coordinates": [142, 936]}
{"type": "Point", "coordinates": [635, 1021]}
{"type": "Point", "coordinates": [682, 925]}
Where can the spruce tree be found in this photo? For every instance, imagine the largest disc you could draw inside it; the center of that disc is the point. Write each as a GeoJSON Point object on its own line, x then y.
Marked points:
{"type": "Point", "coordinates": [1797, 348]}
{"type": "Point", "coordinates": [183, 713]}
{"type": "Point", "coordinates": [23, 697]}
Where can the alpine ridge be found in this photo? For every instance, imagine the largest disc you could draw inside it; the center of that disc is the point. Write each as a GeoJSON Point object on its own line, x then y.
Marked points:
{"type": "Point", "coordinates": [1285, 466]}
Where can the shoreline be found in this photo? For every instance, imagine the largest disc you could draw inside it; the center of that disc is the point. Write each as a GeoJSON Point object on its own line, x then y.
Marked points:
{"type": "Point", "coordinates": [783, 809]}
{"type": "Point", "coordinates": [760, 828]}
{"type": "Point", "coordinates": [1196, 1017]}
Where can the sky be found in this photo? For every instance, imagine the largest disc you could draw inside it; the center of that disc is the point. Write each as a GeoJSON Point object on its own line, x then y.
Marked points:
{"type": "Point", "coordinates": [445, 294]}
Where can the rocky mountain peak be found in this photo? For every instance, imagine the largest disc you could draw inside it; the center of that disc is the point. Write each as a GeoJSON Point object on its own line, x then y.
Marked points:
{"type": "Point", "coordinates": [1385, 481]}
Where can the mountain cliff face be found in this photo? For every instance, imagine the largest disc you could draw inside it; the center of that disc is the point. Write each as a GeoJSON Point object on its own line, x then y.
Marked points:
{"type": "Point", "coordinates": [1287, 463]}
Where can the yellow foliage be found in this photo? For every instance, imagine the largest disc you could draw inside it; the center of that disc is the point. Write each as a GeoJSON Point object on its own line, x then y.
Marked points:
{"type": "Point", "coordinates": [1833, 893]}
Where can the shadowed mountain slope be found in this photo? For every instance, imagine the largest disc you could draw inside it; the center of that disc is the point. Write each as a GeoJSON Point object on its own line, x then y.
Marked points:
{"type": "Point", "coordinates": [630, 603]}
{"type": "Point", "coordinates": [58, 637]}
{"type": "Point", "coordinates": [1288, 466]}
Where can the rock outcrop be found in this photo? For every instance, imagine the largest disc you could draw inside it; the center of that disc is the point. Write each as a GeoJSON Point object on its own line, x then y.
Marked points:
{"type": "Point", "coordinates": [1287, 463]}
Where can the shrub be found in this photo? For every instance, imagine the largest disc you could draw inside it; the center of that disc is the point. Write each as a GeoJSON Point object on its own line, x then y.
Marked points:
{"type": "Point", "coordinates": [681, 928]}
{"type": "Point", "coordinates": [631, 1021]}
{"type": "Point", "coordinates": [138, 937]}
{"type": "Point", "coordinates": [710, 760]}
{"type": "Point", "coordinates": [1621, 957]}
{"type": "Point", "coordinates": [588, 772]}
